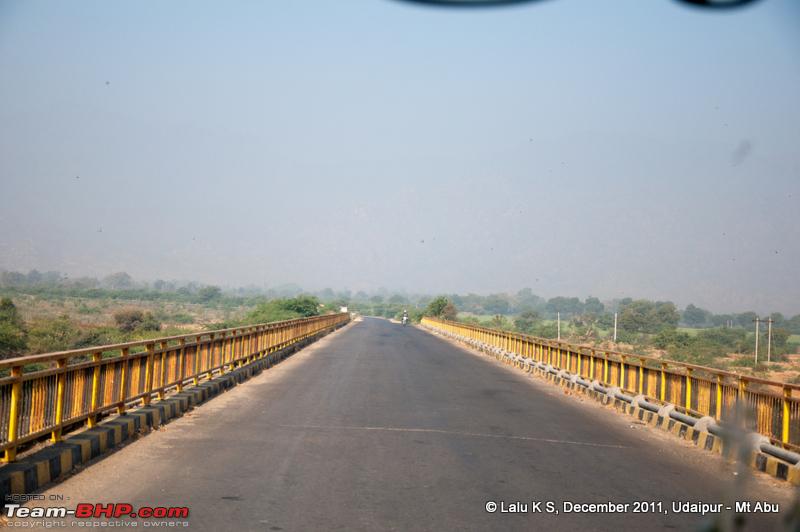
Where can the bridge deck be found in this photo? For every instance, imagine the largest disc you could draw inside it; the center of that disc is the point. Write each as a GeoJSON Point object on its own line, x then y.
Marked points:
{"type": "Point", "coordinates": [384, 427]}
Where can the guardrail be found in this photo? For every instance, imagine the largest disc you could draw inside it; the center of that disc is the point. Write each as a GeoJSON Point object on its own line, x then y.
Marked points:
{"type": "Point", "coordinates": [83, 384]}
{"type": "Point", "coordinates": [693, 389]}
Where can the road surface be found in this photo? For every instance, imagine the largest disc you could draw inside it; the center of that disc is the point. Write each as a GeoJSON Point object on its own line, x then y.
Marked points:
{"type": "Point", "coordinates": [384, 427]}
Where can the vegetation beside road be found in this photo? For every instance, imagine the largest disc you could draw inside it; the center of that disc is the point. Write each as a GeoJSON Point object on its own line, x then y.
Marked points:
{"type": "Point", "coordinates": [660, 330]}
{"type": "Point", "coordinates": [42, 312]}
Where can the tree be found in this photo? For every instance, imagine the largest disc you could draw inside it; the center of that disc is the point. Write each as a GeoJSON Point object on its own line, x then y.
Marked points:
{"type": "Point", "coordinates": [526, 321]}
{"type": "Point", "coordinates": [338, 303]}
{"type": "Point", "coordinates": [648, 317]}
{"type": "Point", "coordinates": [694, 316]}
{"type": "Point", "coordinates": [778, 319]}
{"type": "Point", "coordinates": [208, 294]}
{"type": "Point", "coordinates": [52, 278]}
{"type": "Point", "coordinates": [722, 320]}
{"type": "Point", "coordinates": [526, 299]}
{"type": "Point", "coordinates": [13, 337]}
{"type": "Point", "coordinates": [499, 322]}
{"type": "Point", "coordinates": [34, 277]}
{"type": "Point", "coordinates": [593, 306]}
{"type": "Point", "coordinates": [546, 330]}
{"type": "Point", "coordinates": [780, 337]}
{"type": "Point", "coordinates": [449, 312]}
{"type": "Point", "coordinates": [436, 307]}
{"type": "Point", "coordinates": [119, 281]}
{"type": "Point", "coordinates": [84, 283]}
{"type": "Point", "coordinates": [496, 304]}
{"type": "Point", "coordinates": [304, 305]}
{"type": "Point", "coordinates": [12, 279]}
{"type": "Point", "coordinates": [565, 305]}
{"type": "Point", "coordinates": [284, 309]}
{"type": "Point", "coordinates": [397, 299]}
{"type": "Point", "coordinates": [745, 319]}
{"type": "Point", "coordinates": [605, 320]}
{"type": "Point", "coordinates": [327, 294]}
{"type": "Point", "coordinates": [793, 324]}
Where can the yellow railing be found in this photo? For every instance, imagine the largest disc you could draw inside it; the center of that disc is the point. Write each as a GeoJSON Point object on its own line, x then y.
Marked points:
{"type": "Point", "coordinates": [83, 384]}
{"type": "Point", "coordinates": [694, 389]}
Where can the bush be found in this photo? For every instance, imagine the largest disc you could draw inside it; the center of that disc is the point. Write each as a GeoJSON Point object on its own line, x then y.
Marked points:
{"type": "Point", "coordinates": [208, 294]}
{"type": "Point", "coordinates": [546, 330]}
{"type": "Point", "coordinates": [730, 338]}
{"type": "Point", "coordinates": [704, 347]}
{"type": "Point", "coordinates": [526, 321]}
{"type": "Point", "coordinates": [83, 308]}
{"type": "Point", "coordinates": [305, 306]}
{"type": "Point", "coordinates": [13, 337]}
{"type": "Point", "coordinates": [96, 337]}
{"type": "Point", "coordinates": [498, 322]}
{"type": "Point", "coordinates": [135, 320]}
{"type": "Point", "coordinates": [626, 337]}
{"type": "Point", "coordinates": [182, 317]}
{"type": "Point", "coordinates": [671, 338]}
{"type": "Point", "coordinates": [52, 335]}
{"type": "Point", "coordinates": [436, 308]}
{"type": "Point", "coordinates": [284, 309]}
{"type": "Point", "coordinates": [472, 320]}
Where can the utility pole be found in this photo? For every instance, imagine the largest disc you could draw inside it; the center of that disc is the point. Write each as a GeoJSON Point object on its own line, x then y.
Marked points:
{"type": "Point", "coordinates": [615, 327]}
{"type": "Point", "coordinates": [758, 332]}
{"type": "Point", "coordinates": [769, 339]}
{"type": "Point", "coordinates": [558, 321]}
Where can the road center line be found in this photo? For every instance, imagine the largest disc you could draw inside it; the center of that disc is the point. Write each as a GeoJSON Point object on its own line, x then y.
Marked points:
{"type": "Point", "coordinates": [455, 433]}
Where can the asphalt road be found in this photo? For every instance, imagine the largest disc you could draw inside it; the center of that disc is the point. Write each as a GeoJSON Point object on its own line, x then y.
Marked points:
{"type": "Point", "coordinates": [384, 427]}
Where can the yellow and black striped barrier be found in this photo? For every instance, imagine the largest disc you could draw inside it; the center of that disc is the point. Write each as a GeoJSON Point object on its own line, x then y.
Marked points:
{"type": "Point", "coordinates": [83, 384]}
{"type": "Point", "coordinates": [694, 389]}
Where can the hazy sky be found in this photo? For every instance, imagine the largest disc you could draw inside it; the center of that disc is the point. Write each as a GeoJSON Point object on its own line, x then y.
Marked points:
{"type": "Point", "coordinates": [579, 147]}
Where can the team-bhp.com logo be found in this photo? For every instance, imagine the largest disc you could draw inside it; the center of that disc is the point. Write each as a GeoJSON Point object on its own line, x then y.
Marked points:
{"type": "Point", "coordinates": [87, 510]}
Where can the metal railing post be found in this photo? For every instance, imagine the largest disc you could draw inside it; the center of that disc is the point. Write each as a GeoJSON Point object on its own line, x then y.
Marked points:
{"type": "Point", "coordinates": [13, 413]}
{"type": "Point", "coordinates": [123, 380]}
{"type": "Point", "coordinates": [181, 365]}
{"type": "Point", "coordinates": [787, 396]}
{"type": "Point", "coordinates": [198, 350]}
{"type": "Point", "coordinates": [162, 381]}
{"type": "Point", "coordinates": [61, 378]}
{"type": "Point", "coordinates": [92, 419]}
{"type": "Point", "coordinates": [212, 347]}
{"type": "Point", "coordinates": [641, 375]}
{"type": "Point", "coordinates": [688, 388]}
{"type": "Point", "coordinates": [148, 373]}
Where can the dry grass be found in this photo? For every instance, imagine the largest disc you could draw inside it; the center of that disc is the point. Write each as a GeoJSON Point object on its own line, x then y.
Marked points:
{"type": "Point", "coordinates": [90, 313]}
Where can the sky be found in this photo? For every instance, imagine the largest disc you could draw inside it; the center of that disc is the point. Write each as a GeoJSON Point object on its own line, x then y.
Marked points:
{"type": "Point", "coordinates": [577, 147]}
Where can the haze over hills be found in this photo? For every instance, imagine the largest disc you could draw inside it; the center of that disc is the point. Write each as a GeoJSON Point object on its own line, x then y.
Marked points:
{"type": "Point", "coordinates": [504, 303]}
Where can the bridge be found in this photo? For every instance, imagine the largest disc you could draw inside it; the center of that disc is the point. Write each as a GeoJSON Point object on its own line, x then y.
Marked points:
{"type": "Point", "coordinates": [377, 426]}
